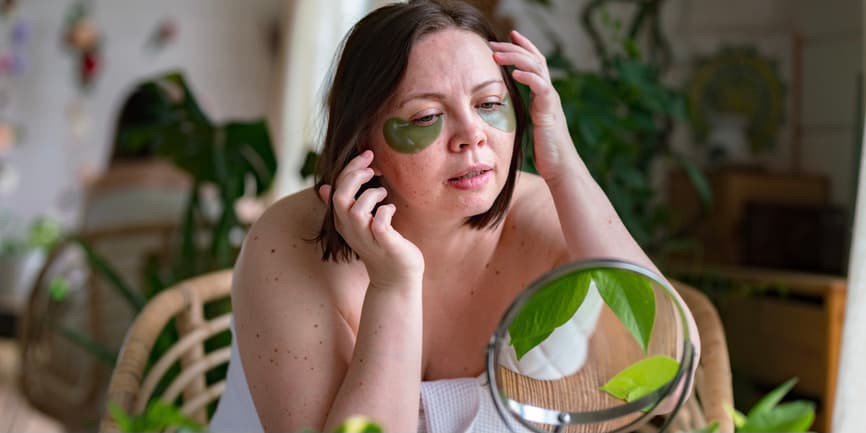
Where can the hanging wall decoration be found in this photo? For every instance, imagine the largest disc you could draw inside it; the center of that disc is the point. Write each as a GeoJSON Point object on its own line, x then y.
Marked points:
{"type": "Point", "coordinates": [6, 6]}
{"type": "Point", "coordinates": [164, 34]}
{"type": "Point", "coordinates": [13, 59]}
{"type": "Point", "coordinates": [83, 39]}
{"type": "Point", "coordinates": [7, 137]}
{"type": "Point", "coordinates": [13, 64]}
{"type": "Point", "coordinates": [738, 85]}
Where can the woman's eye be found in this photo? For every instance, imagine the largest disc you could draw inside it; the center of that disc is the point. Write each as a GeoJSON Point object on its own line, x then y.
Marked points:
{"type": "Point", "coordinates": [490, 106]}
{"type": "Point", "coordinates": [426, 120]}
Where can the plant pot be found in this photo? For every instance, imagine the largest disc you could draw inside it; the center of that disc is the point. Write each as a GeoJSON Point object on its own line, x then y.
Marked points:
{"type": "Point", "coordinates": [562, 353]}
{"type": "Point", "coordinates": [18, 272]}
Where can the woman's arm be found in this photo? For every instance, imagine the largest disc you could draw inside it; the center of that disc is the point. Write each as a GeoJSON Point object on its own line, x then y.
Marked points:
{"type": "Point", "coordinates": [307, 365]}
{"type": "Point", "coordinates": [590, 225]}
{"type": "Point", "coordinates": [384, 376]}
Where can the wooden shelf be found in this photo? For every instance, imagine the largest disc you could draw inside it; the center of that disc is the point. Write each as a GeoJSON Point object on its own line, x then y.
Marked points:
{"type": "Point", "coordinates": [779, 325]}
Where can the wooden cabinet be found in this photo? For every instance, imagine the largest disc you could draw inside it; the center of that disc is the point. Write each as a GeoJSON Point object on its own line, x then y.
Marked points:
{"type": "Point", "coordinates": [780, 325]}
{"type": "Point", "coordinates": [733, 189]}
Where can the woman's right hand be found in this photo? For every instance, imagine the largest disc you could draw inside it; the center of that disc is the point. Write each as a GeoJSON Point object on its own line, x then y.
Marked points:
{"type": "Point", "coordinates": [391, 259]}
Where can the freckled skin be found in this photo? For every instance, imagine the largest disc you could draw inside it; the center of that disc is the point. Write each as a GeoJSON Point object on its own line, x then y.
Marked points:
{"type": "Point", "coordinates": [469, 279]}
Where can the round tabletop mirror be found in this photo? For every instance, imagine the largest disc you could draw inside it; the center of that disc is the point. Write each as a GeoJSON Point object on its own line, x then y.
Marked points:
{"type": "Point", "coordinates": [592, 346]}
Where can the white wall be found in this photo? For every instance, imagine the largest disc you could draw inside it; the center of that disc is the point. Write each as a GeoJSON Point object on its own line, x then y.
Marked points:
{"type": "Point", "coordinates": [831, 36]}
{"type": "Point", "coordinates": [221, 46]}
{"type": "Point", "coordinates": [832, 57]}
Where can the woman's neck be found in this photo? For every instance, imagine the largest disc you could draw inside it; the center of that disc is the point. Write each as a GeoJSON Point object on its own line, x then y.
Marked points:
{"type": "Point", "coordinates": [449, 245]}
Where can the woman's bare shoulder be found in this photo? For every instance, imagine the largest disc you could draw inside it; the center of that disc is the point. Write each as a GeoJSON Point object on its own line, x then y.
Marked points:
{"type": "Point", "coordinates": [532, 218]}
{"type": "Point", "coordinates": [532, 205]}
{"type": "Point", "coordinates": [279, 256]}
{"type": "Point", "coordinates": [290, 327]}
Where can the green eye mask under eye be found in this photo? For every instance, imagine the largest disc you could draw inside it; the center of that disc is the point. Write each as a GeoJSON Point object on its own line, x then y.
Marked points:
{"type": "Point", "coordinates": [502, 119]}
{"type": "Point", "coordinates": [406, 137]}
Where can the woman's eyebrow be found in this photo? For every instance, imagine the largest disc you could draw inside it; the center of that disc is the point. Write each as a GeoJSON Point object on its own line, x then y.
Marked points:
{"type": "Point", "coordinates": [440, 96]}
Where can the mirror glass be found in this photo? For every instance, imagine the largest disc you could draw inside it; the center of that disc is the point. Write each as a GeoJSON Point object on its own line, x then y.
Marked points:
{"type": "Point", "coordinates": [591, 346]}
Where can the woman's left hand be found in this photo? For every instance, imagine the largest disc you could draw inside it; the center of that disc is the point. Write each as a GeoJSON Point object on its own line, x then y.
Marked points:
{"type": "Point", "coordinates": [553, 148]}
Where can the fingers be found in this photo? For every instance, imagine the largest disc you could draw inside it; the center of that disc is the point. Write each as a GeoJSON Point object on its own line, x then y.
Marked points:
{"type": "Point", "coordinates": [519, 43]}
{"type": "Point", "coordinates": [537, 84]}
{"type": "Point", "coordinates": [347, 184]}
{"type": "Point", "coordinates": [522, 61]}
{"type": "Point", "coordinates": [325, 194]}
{"type": "Point", "coordinates": [362, 210]}
{"type": "Point", "coordinates": [381, 227]}
{"type": "Point", "coordinates": [524, 42]}
{"type": "Point", "coordinates": [353, 212]}
{"type": "Point", "coordinates": [527, 59]}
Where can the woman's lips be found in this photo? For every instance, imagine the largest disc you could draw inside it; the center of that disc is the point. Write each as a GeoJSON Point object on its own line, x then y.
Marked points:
{"type": "Point", "coordinates": [473, 180]}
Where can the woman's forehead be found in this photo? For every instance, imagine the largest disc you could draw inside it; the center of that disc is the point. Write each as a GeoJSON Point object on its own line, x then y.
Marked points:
{"type": "Point", "coordinates": [447, 60]}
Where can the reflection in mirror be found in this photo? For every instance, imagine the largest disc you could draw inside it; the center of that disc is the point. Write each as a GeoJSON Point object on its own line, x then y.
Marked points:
{"type": "Point", "coordinates": [589, 347]}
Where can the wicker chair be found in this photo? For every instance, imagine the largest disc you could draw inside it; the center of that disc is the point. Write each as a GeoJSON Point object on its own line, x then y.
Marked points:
{"type": "Point", "coordinates": [131, 387]}
{"type": "Point", "coordinates": [713, 386]}
{"type": "Point", "coordinates": [59, 376]}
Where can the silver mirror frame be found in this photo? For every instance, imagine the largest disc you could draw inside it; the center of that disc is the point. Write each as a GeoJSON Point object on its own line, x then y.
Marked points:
{"type": "Point", "coordinates": [525, 414]}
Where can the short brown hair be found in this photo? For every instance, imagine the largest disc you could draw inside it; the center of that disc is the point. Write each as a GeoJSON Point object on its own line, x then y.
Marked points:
{"type": "Point", "coordinates": [373, 62]}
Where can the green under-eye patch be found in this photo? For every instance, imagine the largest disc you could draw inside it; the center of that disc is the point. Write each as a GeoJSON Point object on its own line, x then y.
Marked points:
{"type": "Point", "coordinates": [502, 119]}
{"type": "Point", "coordinates": [406, 137]}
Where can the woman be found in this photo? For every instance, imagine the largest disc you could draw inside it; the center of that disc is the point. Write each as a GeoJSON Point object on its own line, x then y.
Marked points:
{"type": "Point", "coordinates": [392, 273]}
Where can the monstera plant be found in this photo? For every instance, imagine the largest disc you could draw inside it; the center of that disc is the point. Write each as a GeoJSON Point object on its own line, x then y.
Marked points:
{"type": "Point", "coordinates": [225, 156]}
{"type": "Point", "coordinates": [233, 159]}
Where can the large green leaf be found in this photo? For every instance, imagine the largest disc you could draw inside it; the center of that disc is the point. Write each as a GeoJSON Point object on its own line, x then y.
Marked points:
{"type": "Point", "coordinates": [769, 401]}
{"type": "Point", "coordinates": [642, 378]}
{"type": "Point", "coordinates": [767, 415]}
{"type": "Point", "coordinates": [249, 150]}
{"type": "Point", "coordinates": [549, 308]}
{"type": "Point", "coordinates": [159, 416]}
{"type": "Point", "coordinates": [359, 424]}
{"type": "Point", "coordinates": [631, 298]}
{"type": "Point", "coordinates": [796, 416]}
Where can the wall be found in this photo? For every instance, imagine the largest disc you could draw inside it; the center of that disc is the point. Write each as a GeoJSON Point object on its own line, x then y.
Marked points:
{"type": "Point", "coordinates": [829, 34]}
{"type": "Point", "coordinates": [832, 33]}
{"type": "Point", "coordinates": [221, 46]}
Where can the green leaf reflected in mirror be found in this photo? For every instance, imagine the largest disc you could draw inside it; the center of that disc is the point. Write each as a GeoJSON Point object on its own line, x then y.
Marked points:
{"type": "Point", "coordinates": [642, 378]}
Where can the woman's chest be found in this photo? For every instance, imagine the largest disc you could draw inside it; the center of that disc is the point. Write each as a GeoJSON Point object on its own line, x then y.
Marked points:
{"type": "Point", "coordinates": [462, 314]}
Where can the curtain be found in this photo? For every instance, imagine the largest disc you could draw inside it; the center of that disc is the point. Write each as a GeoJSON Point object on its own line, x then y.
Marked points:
{"type": "Point", "coordinates": [311, 33]}
{"type": "Point", "coordinates": [851, 382]}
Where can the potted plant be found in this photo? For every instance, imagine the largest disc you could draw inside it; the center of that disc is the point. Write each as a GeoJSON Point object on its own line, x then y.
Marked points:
{"type": "Point", "coordinates": [621, 117]}
{"type": "Point", "coordinates": [227, 162]}
{"type": "Point", "coordinates": [22, 253]}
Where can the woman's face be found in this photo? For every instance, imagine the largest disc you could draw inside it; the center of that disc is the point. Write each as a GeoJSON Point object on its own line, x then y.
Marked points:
{"type": "Point", "coordinates": [444, 142]}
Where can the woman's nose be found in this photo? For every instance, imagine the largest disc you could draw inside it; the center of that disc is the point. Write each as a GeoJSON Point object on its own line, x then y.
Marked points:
{"type": "Point", "coordinates": [468, 132]}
